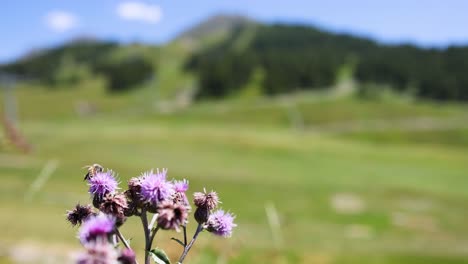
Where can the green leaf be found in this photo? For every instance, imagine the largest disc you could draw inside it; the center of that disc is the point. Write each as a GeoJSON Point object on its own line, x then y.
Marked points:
{"type": "Point", "coordinates": [159, 256]}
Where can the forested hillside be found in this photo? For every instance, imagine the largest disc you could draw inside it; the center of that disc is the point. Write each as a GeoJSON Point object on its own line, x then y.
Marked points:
{"type": "Point", "coordinates": [227, 54]}
{"type": "Point", "coordinates": [291, 58]}
{"type": "Point", "coordinates": [84, 58]}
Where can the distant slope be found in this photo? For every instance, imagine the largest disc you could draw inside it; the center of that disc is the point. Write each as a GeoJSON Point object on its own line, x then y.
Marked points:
{"type": "Point", "coordinates": [43, 65]}
{"type": "Point", "coordinates": [288, 57]}
{"type": "Point", "coordinates": [232, 55]}
{"type": "Point", "coordinates": [215, 27]}
{"type": "Point", "coordinates": [283, 58]}
{"type": "Point", "coordinates": [81, 59]}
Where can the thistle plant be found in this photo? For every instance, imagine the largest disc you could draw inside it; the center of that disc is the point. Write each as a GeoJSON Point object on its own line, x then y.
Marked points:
{"type": "Point", "coordinates": [150, 195]}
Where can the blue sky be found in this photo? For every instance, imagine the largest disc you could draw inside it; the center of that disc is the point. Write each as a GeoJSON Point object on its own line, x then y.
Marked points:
{"type": "Point", "coordinates": [27, 25]}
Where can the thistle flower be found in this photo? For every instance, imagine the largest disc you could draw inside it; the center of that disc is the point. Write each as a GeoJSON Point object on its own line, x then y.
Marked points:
{"type": "Point", "coordinates": [115, 205]}
{"type": "Point", "coordinates": [79, 214]}
{"type": "Point", "coordinates": [206, 200]}
{"type": "Point", "coordinates": [102, 183]}
{"type": "Point", "coordinates": [155, 189]}
{"type": "Point", "coordinates": [150, 192]}
{"type": "Point", "coordinates": [98, 251]}
{"type": "Point", "coordinates": [180, 187]}
{"type": "Point", "coordinates": [99, 226]}
{"type": "Point", "coordinates": [171, 215]}
{"type": "Point", "coordinates": [134, 184]}
{"type": "Point", "coordinates": [220, 223]}
{"type": "Point", "coordinates": [127, 256]}
{"type": "Point", "coordinates": [133, 196]}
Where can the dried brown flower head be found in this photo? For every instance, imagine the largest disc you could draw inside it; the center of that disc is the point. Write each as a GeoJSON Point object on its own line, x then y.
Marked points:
{"type": "Point", "coordinates": [115, 205]}
{"type": "Point", "coordinates": [171, 215]}
{"type": "Point", "coordinates": [206, 200]}
{"type": "Point", "coordinates": [79, 214]}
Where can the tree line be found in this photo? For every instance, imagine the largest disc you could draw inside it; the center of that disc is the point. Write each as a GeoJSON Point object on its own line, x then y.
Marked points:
{"type": "Point", "coordinates": [295, 57]}
{"type": "Point", "coordinates": [78, 60]}
{"type": "Point", "coordinates": [289, 58]}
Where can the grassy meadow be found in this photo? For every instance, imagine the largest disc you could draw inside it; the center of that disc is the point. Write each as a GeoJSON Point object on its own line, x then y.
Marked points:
{"type": "Point", "coordinates": [352, 181]}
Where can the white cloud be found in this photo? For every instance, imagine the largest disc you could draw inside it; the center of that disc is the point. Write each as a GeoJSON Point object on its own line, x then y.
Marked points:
{"type": "Point", "coordinates": [61, 21]}
{"type": "Point", "coordinates": [138, 11]}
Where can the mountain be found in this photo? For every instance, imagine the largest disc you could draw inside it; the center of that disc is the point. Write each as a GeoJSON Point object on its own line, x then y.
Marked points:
{"type": "Point", "coordinates": [41, 64]}
{"type": "Point", "coordinates": [215, 26]}
{"type": "Point", "coordinates": [228, 55]}
{"type": "Point", "coordinates": [282, 58]}
{"type": "Point", "coordinates": [78, 59]}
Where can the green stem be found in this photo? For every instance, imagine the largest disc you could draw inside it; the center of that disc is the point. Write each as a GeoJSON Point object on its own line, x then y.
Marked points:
{"type": "Point", "coordinates": [144, 221]}
{"type": "Point", "coordinates": [152, 236]}
{"type": "Point", "coordinates": [189, 246]}
{"type": "Point", "coordinates": [124, 241]}
{"type": "Point", "coordinates": [119, 234]}
{"type": "Point", "coordinates": [185, 234]}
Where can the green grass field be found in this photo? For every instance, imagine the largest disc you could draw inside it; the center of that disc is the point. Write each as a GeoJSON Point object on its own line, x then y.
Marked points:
{"type": "Point", "coordinates": [352, 181]}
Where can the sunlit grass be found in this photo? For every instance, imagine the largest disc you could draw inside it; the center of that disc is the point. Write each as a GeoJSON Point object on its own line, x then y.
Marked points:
{"type": "Point", "coordinates": [413, 199]}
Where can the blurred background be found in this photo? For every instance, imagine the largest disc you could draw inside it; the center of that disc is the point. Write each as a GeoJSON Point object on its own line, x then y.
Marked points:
{"type": "Point", "coordinates": [336, 131]}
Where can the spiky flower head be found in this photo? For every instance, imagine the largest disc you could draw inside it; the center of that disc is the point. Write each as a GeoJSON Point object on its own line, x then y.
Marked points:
{"type": "Point", "coordinates": [171, 215]}
{"type": "Point", "coordinates": [79, 214]}
{"type": "Point", "coordinates": [180, 187]}
{"type": "Point", "coordinates": [206, 200]}
{"type": "Point", "coordinates": [100, 226]}
{"type": "Point", "coordinates": [98, 251]}
{"type": "Point", "coordinates": [115, 205]}
{"type": "Point", "coordinates": [127, 256]}
{"type": "Point", "coordinates": [155, 189]}
{"type": "Point", "coordinates": [220, 223]}
{"type": "Point", "coordinates": [103, 183]}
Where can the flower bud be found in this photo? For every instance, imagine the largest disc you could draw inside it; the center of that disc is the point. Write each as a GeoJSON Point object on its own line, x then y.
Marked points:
{"type": "Point", "coordinates": [201, 215]}
{"type": "Point", "coordinates": [134, 185]}
{"type": "Point", "coordinates": [97, 201]}
{"type": "Point", "coordinates": [133, 196]}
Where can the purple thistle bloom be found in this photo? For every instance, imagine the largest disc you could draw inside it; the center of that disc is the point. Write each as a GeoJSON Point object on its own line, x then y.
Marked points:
{"type": "Point", "coordinates": [101, 226]}
{"type": "Point", "coordinates": [221, 223]}
{"type": "Point", "coordinates": [181, 186]}
{"type": "Point", "coordinates": [99, 251]}
{"type": "Point", "coordinates": [155, 188]}
{"type": "Point", "coordinates": [127, 256]}
{"type": "Point", "coordinates": [103, 183]}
